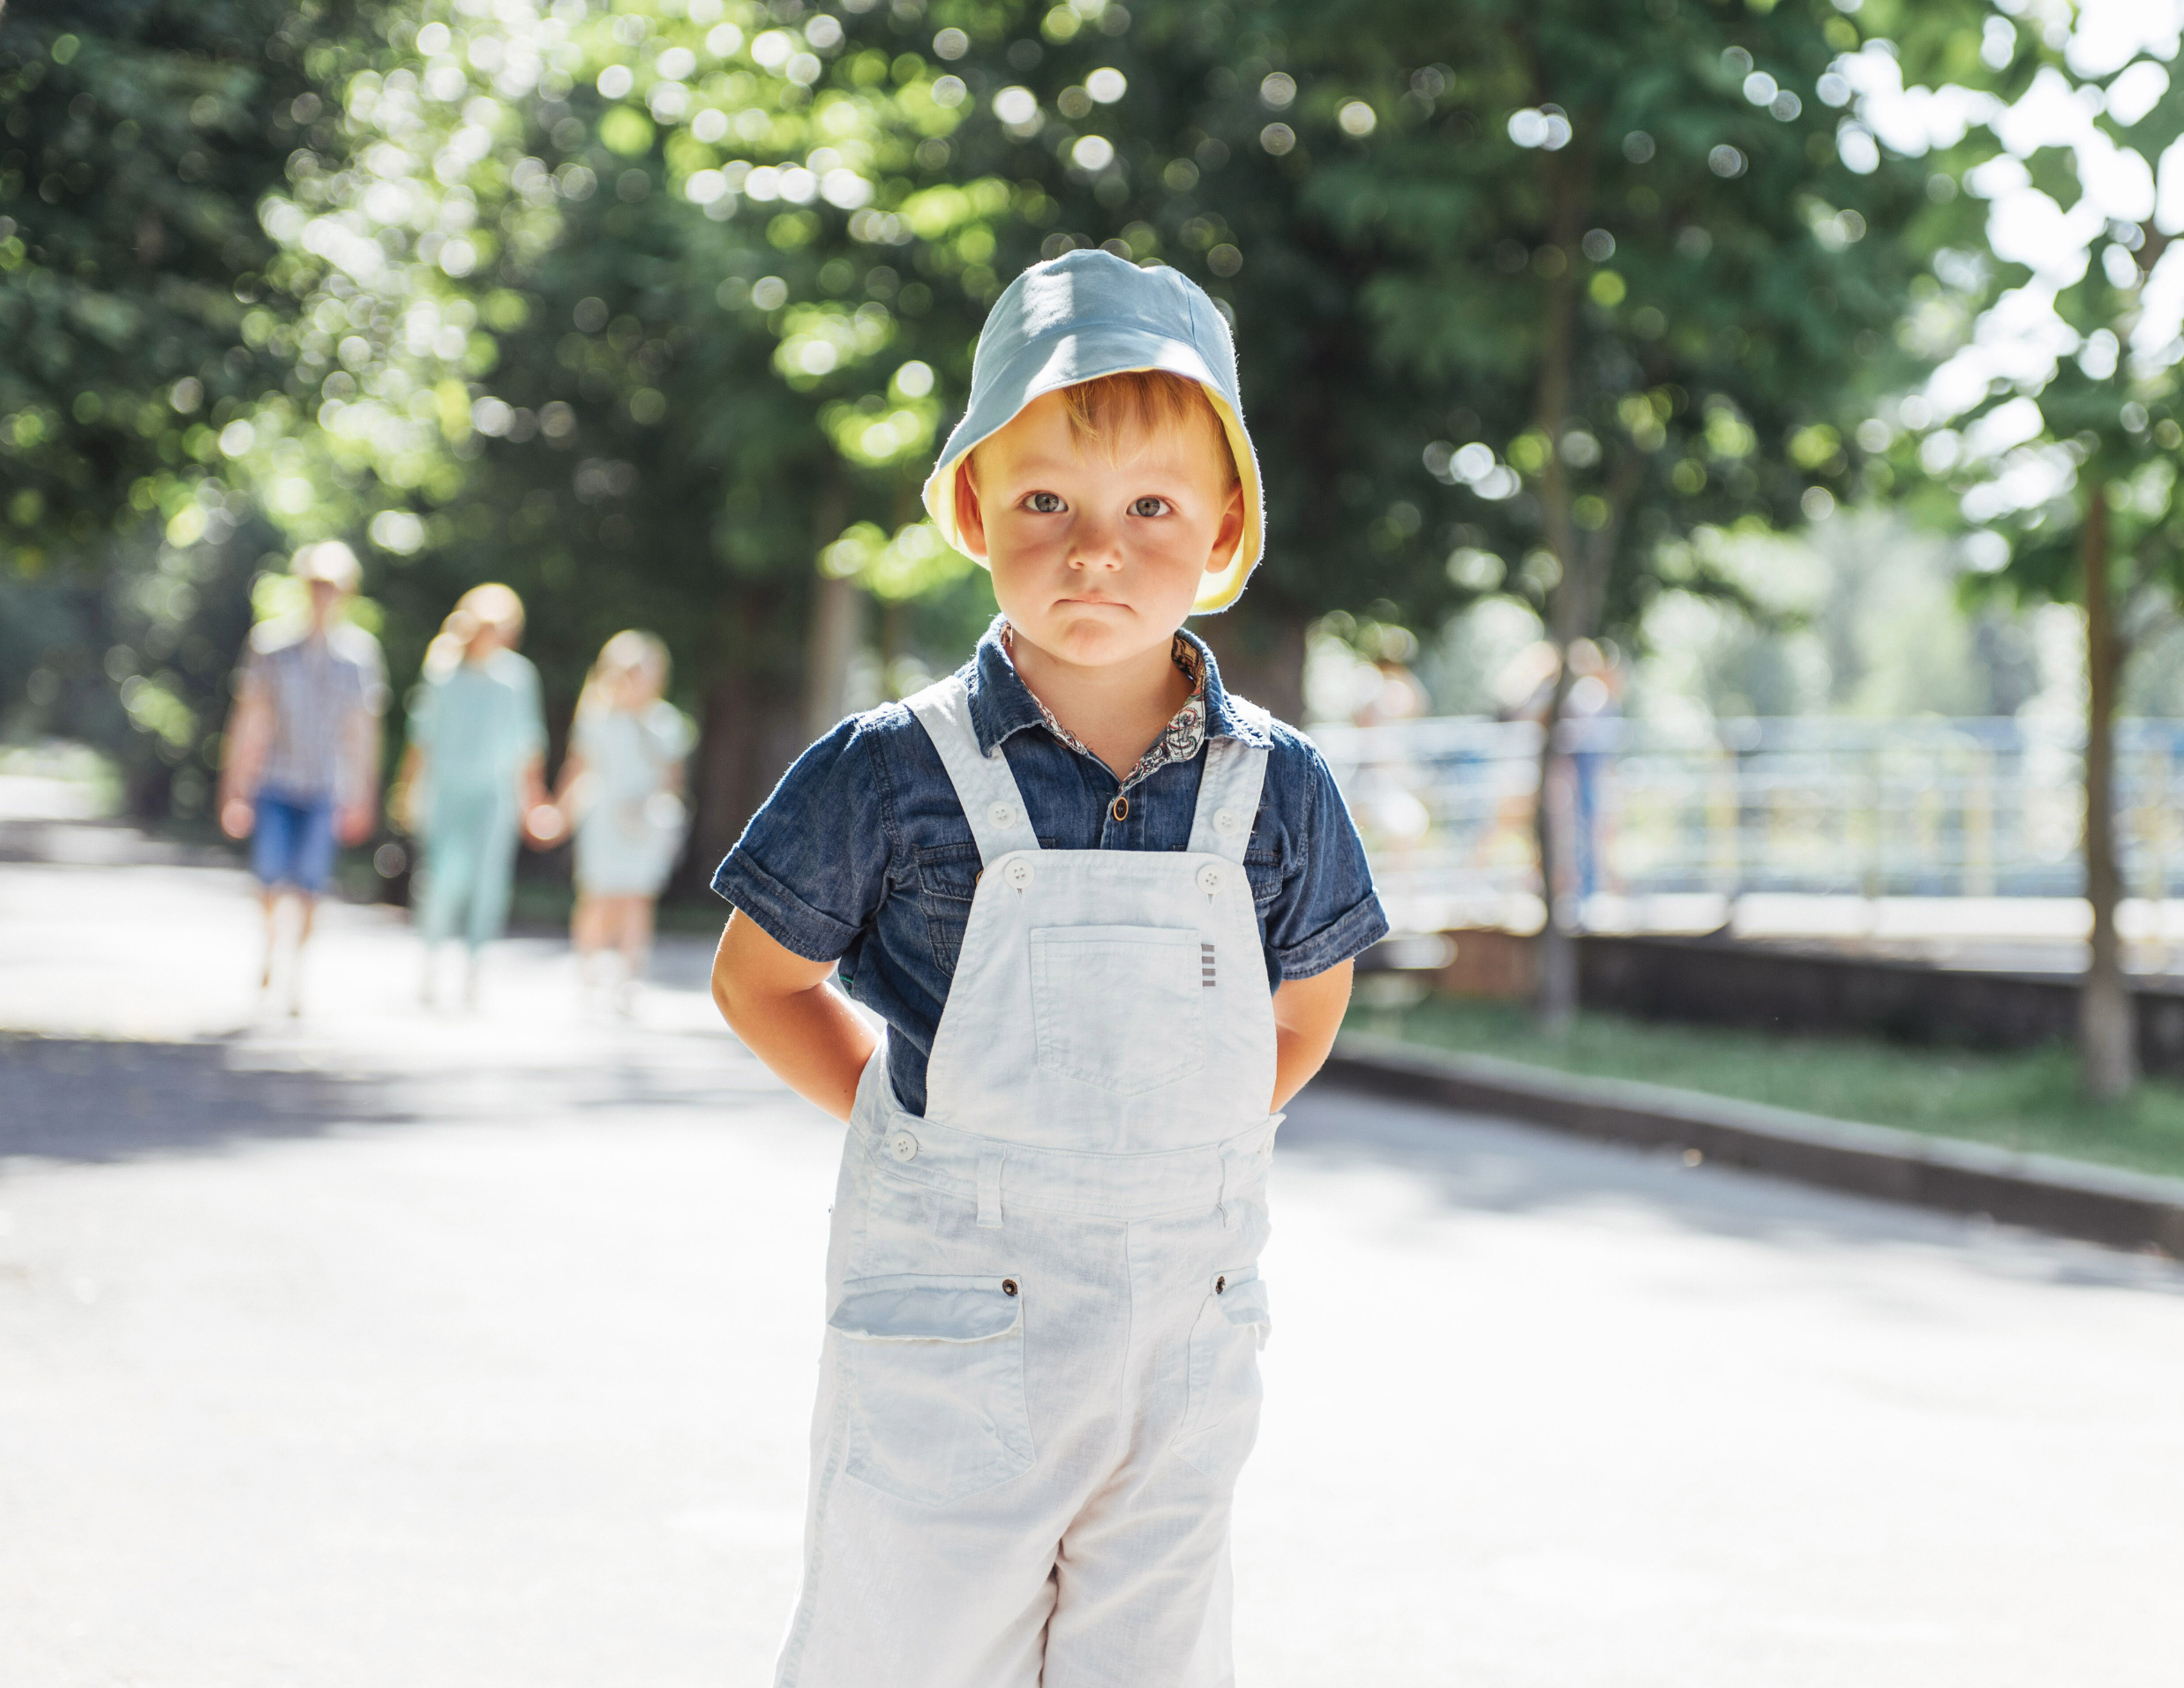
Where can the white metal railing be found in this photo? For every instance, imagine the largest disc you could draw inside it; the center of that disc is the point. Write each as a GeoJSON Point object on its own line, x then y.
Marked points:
{"type": "Point", "coordinates": [1976, 807]}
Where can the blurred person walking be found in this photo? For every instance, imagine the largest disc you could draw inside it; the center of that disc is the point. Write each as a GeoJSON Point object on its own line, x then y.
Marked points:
{"type": "Point", "coordinates": [300, 774]}
{"type": "Point", "coordinates": [472, 780]}
{"type": "Point", "coordinates": [621, 789]}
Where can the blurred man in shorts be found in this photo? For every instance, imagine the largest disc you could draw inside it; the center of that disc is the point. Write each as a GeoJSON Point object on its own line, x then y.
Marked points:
{"type": "Point", "coordinates": [302, 773]}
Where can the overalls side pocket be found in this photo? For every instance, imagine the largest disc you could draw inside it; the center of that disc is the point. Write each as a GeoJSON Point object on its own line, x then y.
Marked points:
{"type": "Point", "coordinates": [936, 1367]}
{"type": "Point", "coordinates": [1222, 1414]}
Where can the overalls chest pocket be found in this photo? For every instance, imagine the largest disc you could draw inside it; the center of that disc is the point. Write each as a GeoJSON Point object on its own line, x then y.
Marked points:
{"type": "Point", "coordinates": [1120, 1008]}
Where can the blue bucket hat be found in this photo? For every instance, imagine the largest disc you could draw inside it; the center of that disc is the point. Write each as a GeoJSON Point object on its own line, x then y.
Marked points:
{"type": "Point", "coordinates": [1085, 315]}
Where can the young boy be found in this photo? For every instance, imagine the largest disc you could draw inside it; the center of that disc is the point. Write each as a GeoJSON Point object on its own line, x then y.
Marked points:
{"type": "Point", "coordinates": [1107, 912]}
{"type": "Point", "coordinates": [302, 774]}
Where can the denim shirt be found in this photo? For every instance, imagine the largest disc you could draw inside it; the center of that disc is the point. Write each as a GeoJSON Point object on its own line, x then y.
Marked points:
{"type": "Point", "coordinates": [862, 853]}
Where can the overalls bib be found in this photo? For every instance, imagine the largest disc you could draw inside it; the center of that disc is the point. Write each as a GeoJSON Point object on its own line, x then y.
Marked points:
{"type": "Point", "coordinates": [1041, 1378]}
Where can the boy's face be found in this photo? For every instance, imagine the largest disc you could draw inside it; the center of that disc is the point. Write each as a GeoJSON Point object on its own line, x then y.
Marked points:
{"type": "Point", "coordinates": [1094, 561]}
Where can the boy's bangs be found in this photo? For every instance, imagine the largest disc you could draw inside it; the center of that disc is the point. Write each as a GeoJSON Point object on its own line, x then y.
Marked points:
{"type": "Point", "coordinates": [1140, 403]}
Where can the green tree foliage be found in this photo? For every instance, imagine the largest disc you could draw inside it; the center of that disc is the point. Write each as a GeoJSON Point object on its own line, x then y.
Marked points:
{"type": "Point", "coordinates": [656, 310]}
{"type": "Point", "coordinates": [139, 136]}
{"type": "Point", "coordinates": [2062, 410]}
{"type": "Point", "coordinates": [652, 312]}
{"type": "Point", "coordinates": [1634, 249]}
{"type": "Point", "coordinates": [642, 312]}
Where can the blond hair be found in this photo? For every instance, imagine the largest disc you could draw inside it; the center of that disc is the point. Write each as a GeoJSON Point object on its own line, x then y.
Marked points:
{"type": "Point", "coordinates": [1137, 404]}
{"type": "Point", "coordinates": [328, 560]}
{"type": "Point", "coordinates": [490, 607]}
{"type": "Point", "coordinates": [627, 652]}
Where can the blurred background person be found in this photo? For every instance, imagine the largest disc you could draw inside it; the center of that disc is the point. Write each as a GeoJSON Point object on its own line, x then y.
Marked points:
{"type": "Point", "coordinates": [472, 781]}
{"type": "Point", "coordinates": [1577, 789]}
{"type": "Point", "coordinates": [621, 789]}
{"type": "Point", "coordinates": [1591, 711]}
{"type": "Point", "coordinates": [301, 775]}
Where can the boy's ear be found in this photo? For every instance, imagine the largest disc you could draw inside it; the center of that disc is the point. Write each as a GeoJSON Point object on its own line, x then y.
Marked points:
{"type": "Point", "coordinates": [970, 515]}
{"type": "Point", "coordinates": [1231, 531]}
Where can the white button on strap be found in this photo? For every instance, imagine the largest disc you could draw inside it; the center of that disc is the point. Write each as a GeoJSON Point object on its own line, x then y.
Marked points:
{"type": "Point", "coordinates": [1019, 873]}
{"type": "Point", "coordinates": [1002, 814]}
{"type": "Point", "coordinates": [1210, 878]}
{"type": "Point", "coordinates": [1227, 822]}
{"type": "Point", "coordinates": [902, 1146]}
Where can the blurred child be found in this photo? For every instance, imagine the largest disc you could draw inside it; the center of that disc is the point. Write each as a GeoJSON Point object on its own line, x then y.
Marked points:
{"type": "Point", "coordinates": [301, 770]}
{"type": "Point", "coordinates": [621, 788]}
{"type": "Point", "coordinates": [1107, 912]}
{"type": "Point", "coordinates": [472, 779]}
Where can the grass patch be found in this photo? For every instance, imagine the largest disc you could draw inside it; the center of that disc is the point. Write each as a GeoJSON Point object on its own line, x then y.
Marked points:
{"type": "Point", "coordinates": [2024, 1099]}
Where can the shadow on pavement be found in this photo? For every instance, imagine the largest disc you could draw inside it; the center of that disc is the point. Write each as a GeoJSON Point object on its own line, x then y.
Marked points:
{"type": "Point", "coordinates": [103, 843]}
{"type": "Point", "coordinates": [98, 1099]}
{"type": "Point", "coordinates": [1479, 1165]}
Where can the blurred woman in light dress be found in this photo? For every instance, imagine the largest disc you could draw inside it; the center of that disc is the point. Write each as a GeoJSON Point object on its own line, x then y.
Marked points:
{"type": "Point", "coordinates": [621, 789]}
{"type": "Point", "coordinates": [472, 781]}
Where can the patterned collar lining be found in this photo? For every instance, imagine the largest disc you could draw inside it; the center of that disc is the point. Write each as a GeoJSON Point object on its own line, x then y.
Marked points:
{"type": "Point", "coordinates": [1178, 741]}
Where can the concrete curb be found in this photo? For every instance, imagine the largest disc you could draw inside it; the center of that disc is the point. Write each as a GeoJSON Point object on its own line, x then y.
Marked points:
{"type": "Point", "coordinates": [2073, 1198]}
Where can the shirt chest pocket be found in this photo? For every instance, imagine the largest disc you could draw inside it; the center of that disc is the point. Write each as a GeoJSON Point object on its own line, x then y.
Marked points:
{"type": "Point", "coordinates": [947, 878]}
{"type": "Point", "coordinates": [1120, 1008]}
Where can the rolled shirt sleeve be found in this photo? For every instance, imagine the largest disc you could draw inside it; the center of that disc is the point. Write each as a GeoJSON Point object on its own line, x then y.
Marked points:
{"type": "Point", "coordinates": [1327, 910]}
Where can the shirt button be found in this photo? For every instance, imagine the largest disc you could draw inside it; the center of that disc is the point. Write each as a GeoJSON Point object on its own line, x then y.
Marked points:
{"type": "Point", "coordinates": [902, 1146]}
{"type": "Point", "coordinates": [1120, 808]}
{"type": "Point", "coordinates": [1227, 822]}
{"type": "Point", "coordinates": [1210, 878]}
{"type": "Point", "coordinates": [1002, 814]}
{"type": "Point", "coordinates": [1019, 873]}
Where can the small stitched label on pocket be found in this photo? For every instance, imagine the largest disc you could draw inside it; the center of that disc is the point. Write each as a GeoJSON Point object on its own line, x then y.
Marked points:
{"type": "Point", "coordinates": [1119, 1007]}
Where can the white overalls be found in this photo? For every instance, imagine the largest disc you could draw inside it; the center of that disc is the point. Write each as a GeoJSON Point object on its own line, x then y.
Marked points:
{"type": "Point", "coordinates": [1042, 1370]}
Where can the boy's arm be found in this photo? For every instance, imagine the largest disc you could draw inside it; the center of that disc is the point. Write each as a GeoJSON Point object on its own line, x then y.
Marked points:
{"type": "Point", "coordinates": [786, 1014]}
{"type": "Point", "coordinates": [1308, 1013]}
{"type": "Point", "coordinates": [249, 733]}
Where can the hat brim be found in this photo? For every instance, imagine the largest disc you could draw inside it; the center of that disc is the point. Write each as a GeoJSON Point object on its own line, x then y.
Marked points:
{"type": "Point", "coordinates": [1087, 352]}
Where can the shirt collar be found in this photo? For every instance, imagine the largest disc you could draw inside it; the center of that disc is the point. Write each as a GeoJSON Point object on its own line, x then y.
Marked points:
{"type": "Point", "coordinates": [1002, 705]}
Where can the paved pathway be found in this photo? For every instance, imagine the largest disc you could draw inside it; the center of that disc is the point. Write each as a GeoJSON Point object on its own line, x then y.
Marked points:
{"type": "Point", "coordinates": [473, 1351]}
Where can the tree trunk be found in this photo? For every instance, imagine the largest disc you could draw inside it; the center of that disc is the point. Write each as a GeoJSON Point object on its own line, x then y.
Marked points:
{"type": "Point", "coordinates": [837, 628]}
{"type": "Point", "coordinates": [751, 719]}
{"type": "Point", "coordinates": [2107, 1026]}
{"type": "Point", "coordinates": [1570, 607]}
{"type": "Point", "coordinates": [751, 732]}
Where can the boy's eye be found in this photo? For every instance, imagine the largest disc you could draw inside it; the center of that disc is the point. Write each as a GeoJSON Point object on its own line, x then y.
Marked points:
{"type": "Point", "coordinates": [1044, 504]}
{"type": "Point", "coordinates": [1150, 507]}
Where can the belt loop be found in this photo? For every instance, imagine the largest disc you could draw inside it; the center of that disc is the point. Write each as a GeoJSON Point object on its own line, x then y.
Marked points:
{"type": "Point", "coordinates": [989, 1190]}
{"type": "Point", "coordinates": [1230, 1215]}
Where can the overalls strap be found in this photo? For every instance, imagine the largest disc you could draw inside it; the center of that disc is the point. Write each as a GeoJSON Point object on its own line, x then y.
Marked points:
{"type": "Point", "coordinates": [984, 785]}
{"type": "Point", "coordinates": [1228, 799]}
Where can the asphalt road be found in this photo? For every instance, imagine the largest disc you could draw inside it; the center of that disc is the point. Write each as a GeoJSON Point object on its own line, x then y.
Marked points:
{"type": "Point", "coordinates": [396, 1346]}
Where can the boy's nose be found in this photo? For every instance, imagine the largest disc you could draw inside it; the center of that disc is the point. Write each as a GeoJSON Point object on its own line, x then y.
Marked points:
{"type": "Point", "coordinates": [1096, 544]}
